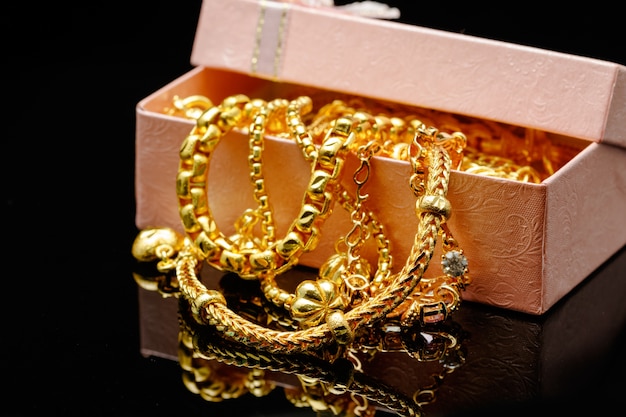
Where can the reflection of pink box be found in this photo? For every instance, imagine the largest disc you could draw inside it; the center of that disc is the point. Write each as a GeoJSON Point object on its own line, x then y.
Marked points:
{"type": "Point", "coordinates": [528, 244]}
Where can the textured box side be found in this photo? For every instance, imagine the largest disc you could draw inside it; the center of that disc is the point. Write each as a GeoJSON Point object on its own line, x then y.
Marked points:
{"type": "Point", "coordinates": [157, 144]}
{"type": "Point", "coordinates": [586, 214]}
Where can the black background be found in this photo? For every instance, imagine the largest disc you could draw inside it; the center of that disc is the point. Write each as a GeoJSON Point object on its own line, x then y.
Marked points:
{"type": "Point", "coordinates": [73, 73]}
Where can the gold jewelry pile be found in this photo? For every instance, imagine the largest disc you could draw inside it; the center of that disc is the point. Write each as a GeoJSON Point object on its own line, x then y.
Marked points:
{"type": "Point", "coordinates": [347, 295]}
{"type": "Point", "coordinates": [325, 328]}
{"type": "Point", "coordinates": [342, 310]}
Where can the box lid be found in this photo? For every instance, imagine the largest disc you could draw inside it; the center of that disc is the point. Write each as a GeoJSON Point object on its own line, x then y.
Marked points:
{"type": "Point", "coordinates": [452, 72]}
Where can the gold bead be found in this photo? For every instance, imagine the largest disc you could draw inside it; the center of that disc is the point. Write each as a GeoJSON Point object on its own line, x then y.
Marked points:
{"type": "Point", "coordinates": [333, 268]}
{"type": "Point", "coordinates": [290, 245]}
{"type": "Point", "coordinates": [210, 139]}
{"type": "Point", "coordinates": [188, 217]}
{"type": "Point", "coordinates": [262, 261]}
{"type": "Point", "coordinates": [201, 302]}
{"type": "Point", "coordinates": [236, 99]}
{"type": "Point", "coordinates": [183, 183]}
{"type": "Point", "coordinates": [329, 149]}
{"type": "Point", "coordinates": [317, 185]}
{"type": "Point", "coordinates": [343, 125]}
{"type": "Point", "coordinates": [199, 200]}
{"type": "Point", "coordinates": [435, 204]}
{"type": "Point", "coordinates": [200, 165]}
{"type": "Point", "coordinates": [154, 243]}
{"type": "Point", "coordinates": [256, 168]}
{"type": "Point", "coordinates": [232, 261]}
{"type": "Point", "coordinates": [208, 224]}
{"type": "Point", "coordinates": [340, 328]}
{"type": "Point", "coordinates": [308, 214]}
{"type": "Point", "coordinates": [209, 117]}
{"type": "Point", "coordinates": [188, 147]}
{"type": "Point", "coordinates": [206, 246]}
{"type": "Point", "coordinates": [231, 117]}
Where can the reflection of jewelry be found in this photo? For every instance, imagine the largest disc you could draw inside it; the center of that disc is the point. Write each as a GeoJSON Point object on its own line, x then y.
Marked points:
{"type": "Point", "coordinates": [335, 387]}
{"type": "Point", "coordinates": [441, 342]}
{"type": "Point", "coordinates": [205, 357]}
{"type": "Point", "coordinates": [213, 383]}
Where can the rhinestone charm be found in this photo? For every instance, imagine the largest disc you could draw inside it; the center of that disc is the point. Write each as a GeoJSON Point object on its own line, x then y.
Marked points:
{"type": "Point", "coordinates": [454, 263]}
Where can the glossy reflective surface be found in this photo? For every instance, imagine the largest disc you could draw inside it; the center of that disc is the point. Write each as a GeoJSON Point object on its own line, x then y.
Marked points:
{"type": "Point", "coordinates": [483, 358]}
{"type": "Point", "coordinates": [70, 307]}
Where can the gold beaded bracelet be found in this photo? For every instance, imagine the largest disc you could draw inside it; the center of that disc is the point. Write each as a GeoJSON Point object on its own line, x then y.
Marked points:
{"type": "Point", "coordinates": [238, 253]}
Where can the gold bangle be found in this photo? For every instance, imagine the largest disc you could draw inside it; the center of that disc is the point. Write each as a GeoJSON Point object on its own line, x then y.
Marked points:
{"type": "Point", "coordinates": [239, 254]}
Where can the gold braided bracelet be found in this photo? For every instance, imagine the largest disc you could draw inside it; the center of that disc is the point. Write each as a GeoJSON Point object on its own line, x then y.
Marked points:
{"type": "Point", "coordinates": [209, 306]}
{"type": "Point", "coordinates": [434, 298]}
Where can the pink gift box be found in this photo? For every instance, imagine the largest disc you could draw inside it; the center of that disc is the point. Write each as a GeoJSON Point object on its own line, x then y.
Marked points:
{"type": "Point", "coordinates": [528, 244]}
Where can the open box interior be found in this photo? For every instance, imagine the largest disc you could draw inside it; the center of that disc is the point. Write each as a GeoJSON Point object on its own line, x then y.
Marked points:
{"type": "Point", "coordinates": [544, 152]}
